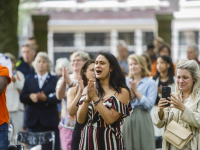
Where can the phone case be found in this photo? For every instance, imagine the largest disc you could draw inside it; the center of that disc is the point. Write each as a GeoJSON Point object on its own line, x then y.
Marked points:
{"type": "Point", "coordinates": [166, 91]}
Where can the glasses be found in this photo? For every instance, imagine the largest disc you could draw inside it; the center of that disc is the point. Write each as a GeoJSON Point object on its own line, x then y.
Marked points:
{"type": "Point", "coordinates": [77, 60]}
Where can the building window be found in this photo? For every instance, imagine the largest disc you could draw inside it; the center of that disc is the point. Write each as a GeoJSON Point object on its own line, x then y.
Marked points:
{"type": "Point", "coordinates": [63, 39]}
{"type": "Point", "coordinates": [97, 39]}
{"type": "Point", "coordinates": [188, 37]}
{"type": "Point", "coordinates": [128, 37]}
{"type": "Point", "coordinates": [147, 38]}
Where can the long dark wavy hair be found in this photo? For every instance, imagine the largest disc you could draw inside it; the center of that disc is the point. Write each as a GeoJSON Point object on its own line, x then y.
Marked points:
{"type": "Point", "coordinates": [84, 69]}
{"type": "Point", "coordinates": [117, 79]}
{"type": "Point", "coordinates": [168, 60]}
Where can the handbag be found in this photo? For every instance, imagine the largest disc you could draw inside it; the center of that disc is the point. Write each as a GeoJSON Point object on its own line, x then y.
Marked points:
{"type": "Point", "coordinates": [177, 135]}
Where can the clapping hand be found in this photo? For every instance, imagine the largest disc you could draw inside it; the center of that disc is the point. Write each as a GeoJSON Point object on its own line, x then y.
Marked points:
{"type": "Point", "coordinates": [13, 79]}
{"type": "Point", "coordinates": [41, 96]}
{"type": "Point", "coordinates": [91, 90]}
{"type": "Point", "coordinates": [38, 96]}
{"type": "Point", "coordinates": [87, 91]}
{"type": "Point", "coordinates": [65, 75]}
{"type": "Point", "coordinates": [80, 85]}
{"type": "Point", "coordinates": [132, 95]}
{"type": "Point", "coordinates": [133, 86]}
{"type": "Point", "coordinates": [176, 102]}
{"type": "Point", "coordinates": [33, 97]}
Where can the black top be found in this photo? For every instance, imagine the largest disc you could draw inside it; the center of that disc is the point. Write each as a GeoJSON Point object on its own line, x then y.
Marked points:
{"type": "Point", "coordinates": [24, 68]}
{"type": "Point", "coordinates": [76, 136]}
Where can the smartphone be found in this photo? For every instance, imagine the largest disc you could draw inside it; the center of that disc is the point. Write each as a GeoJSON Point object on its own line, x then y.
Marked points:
{"type": "Point", "coordinates": [166, 91]}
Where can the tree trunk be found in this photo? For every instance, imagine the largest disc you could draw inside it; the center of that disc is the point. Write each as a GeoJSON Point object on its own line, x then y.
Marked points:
{"type": "Point", "coordinates": [8, 26]}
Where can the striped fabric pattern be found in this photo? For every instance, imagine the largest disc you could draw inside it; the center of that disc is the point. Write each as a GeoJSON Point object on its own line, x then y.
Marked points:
{"type": "Point", "coordinates": [97, 135]}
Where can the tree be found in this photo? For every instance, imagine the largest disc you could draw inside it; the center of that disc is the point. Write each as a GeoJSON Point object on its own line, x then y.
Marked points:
{"type": "Point", "coordinates": [8, 26]}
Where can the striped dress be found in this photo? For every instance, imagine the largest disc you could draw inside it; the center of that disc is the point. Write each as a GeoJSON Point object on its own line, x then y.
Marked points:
{"type": "Point", "coordinates": [97, 135]}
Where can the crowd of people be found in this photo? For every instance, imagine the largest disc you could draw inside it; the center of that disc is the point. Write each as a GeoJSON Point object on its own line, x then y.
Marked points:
{"type": "Point", "coordinates": [103, 103]}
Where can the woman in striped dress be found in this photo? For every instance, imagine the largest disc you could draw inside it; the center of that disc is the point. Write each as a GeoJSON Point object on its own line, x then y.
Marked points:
{"type": "Point", "coordinates": [103, 105]}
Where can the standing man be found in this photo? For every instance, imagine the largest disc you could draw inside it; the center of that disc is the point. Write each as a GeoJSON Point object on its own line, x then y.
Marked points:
{"type": "Point", "coordinates": [25, 63]}
{"type": "Point", "coordinates": [122, 56]}
{"type": "Point", "coordinates": [4, 116]}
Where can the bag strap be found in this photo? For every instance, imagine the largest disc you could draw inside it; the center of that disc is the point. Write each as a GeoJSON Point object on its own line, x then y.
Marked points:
{"type": "Point", "coordinates": [177, 122]}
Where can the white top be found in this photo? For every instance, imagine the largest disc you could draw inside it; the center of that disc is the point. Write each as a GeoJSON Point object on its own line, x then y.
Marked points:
{"type": "Point", "coordinates": [5, 61]}
{"type": "Point", "coordinates": [13, 93]}
{"type": "Point", "coordinates": [67, 121]}
{"type": "Point", "coordinates": [41, 79]}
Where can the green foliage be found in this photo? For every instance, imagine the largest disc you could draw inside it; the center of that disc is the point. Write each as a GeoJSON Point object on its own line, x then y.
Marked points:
{"type": "Point", "coordinates": [8, 26]}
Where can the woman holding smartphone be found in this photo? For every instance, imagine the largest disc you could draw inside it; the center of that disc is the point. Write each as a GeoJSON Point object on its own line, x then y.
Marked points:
{"type": "Point", "coordinates": [185, 104]}
{"type": "Point", "coordinates": [138, 128]}
{"type": "Point", "coordinates": [104, 106]}
{"type": "Point", "coordinates": [164, 75]}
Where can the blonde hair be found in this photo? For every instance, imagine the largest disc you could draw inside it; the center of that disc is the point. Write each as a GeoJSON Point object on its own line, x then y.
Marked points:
{"type": "Point", "coordinates": [85, 56]}
{"type": "Point", "coordinates": [146, 55]}
{"type": "Point", "coordinates": [46, 58]}
{"type": "Point", "coordinates": [60, 62]}
{"type": "Point", "coordinates": [193, 68]}
{"type": "Point", "coordinates": [144, 72]}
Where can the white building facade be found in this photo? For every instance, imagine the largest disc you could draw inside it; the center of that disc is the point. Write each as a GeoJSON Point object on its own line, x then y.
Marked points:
{"type": "Point", "coordinates": [94, 25]}
{"type": "Point", "coordinates": [185, 28]}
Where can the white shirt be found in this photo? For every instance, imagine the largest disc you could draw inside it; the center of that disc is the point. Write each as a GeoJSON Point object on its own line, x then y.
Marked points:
{"type": "Point", "coordinates": [41, 79]}
{"type": "Point", "coordinates": [5, 61]}
{"type": "Point", "coordinates": [12, 93]}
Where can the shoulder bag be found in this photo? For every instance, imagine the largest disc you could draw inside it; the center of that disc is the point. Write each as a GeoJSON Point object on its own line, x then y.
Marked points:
{"type": "Point", "coordinates": [177, 135]}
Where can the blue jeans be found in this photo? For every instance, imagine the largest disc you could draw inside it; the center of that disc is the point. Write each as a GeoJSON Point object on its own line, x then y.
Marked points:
{"type": "Point", "coordinates": [4, 136]}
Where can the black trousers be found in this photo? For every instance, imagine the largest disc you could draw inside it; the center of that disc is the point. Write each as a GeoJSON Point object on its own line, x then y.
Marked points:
{"type": "Point", "coordinates": [48, 146]}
